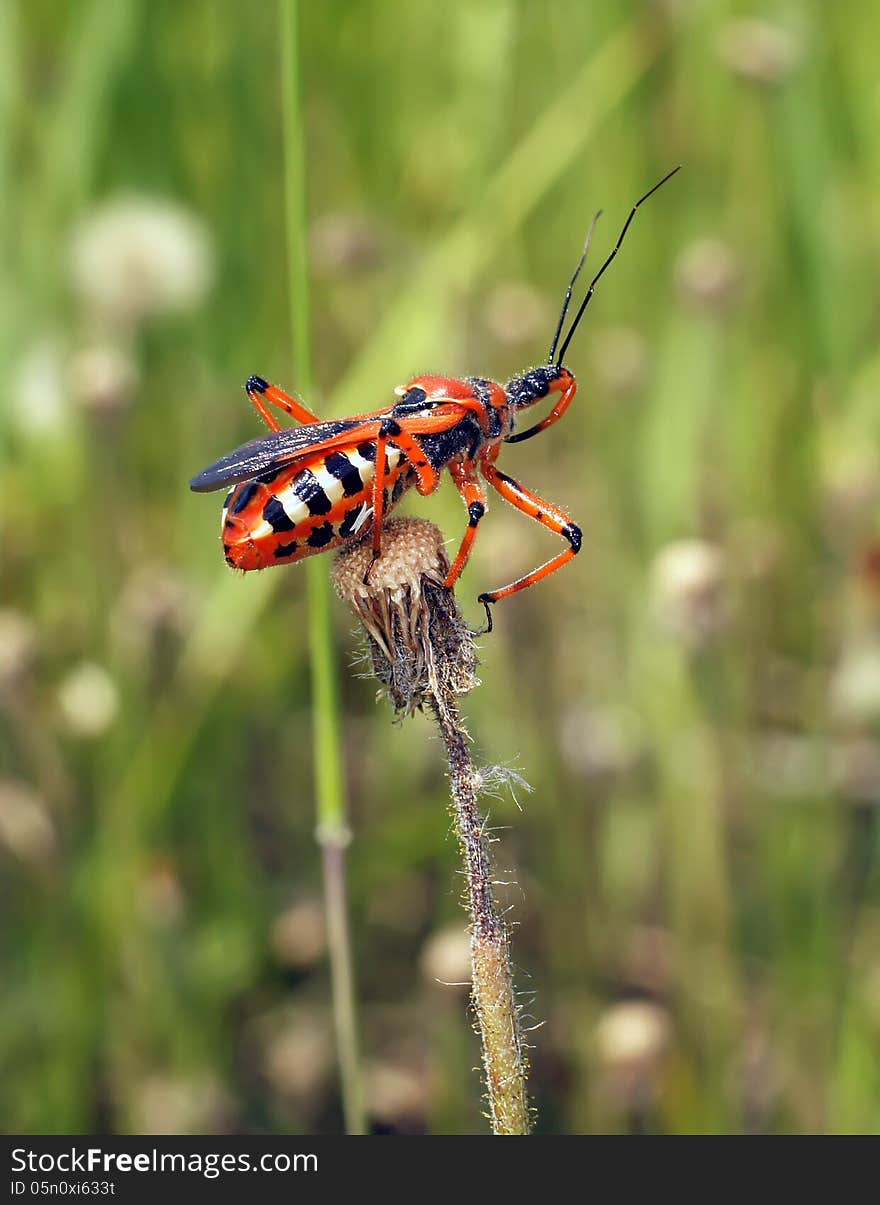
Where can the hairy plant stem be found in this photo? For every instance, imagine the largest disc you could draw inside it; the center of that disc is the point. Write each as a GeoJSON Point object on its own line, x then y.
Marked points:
{"type": "Point", "coordinates": [332, 832]}
{"type": "Point", "coordinates": [423, 653]}
{"type": "Point", "coordinates": [492, 983]}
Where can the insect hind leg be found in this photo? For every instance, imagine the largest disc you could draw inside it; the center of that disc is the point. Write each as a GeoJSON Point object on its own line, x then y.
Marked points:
{"type": "Point", "coordinates": [542, 512]}
{"type": "Point", "coordinates": [260, 392]}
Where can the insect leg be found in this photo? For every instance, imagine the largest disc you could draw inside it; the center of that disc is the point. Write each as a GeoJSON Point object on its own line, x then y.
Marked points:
{"type": "Point", "coordinates": [554, 416]}
{"type": "Point", "coordinates": [391, 431]}
{"type": "Point", "coordinates": [387, 427]}
{"type": "Point", "coordinates": [260, 392]}
{"type": "Point", "coordinates": [543, 512]}
{"type": "Point", "coordinates": [471, 490]}
{"type": "Point", "coordinates": [428, 477]}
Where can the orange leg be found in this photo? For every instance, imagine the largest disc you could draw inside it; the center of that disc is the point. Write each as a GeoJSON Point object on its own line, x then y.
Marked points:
{"type": "Point", "coordinates": [257, 390]}
{"type": "Point", "coordinates": [553, 417]}
{"type": "Point", "coordinates": [390, 431]}
{"type": "Point", "coordinates": [536, 508]}
{"type": "Point", "coordinates": [465, 478]}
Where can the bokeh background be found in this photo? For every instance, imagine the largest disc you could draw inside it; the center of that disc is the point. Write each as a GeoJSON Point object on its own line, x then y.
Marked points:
{"type": "Point", "coordinates": [695, 701]}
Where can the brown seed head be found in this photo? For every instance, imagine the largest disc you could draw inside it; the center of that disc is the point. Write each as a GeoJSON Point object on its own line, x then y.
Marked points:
{"type": "Point", "coordinates": [420, 645]}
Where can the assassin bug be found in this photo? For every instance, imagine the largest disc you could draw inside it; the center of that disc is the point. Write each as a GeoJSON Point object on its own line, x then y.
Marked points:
{"type": "Point", "coordinates": [303, 490]}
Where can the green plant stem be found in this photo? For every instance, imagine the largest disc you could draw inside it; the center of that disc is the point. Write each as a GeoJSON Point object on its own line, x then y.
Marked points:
{"type": "Point", "coordinates": [332, 830]}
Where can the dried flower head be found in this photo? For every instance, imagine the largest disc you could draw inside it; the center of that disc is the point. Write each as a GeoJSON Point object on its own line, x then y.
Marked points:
{"type": "Point", "coordinates": [420, 645]}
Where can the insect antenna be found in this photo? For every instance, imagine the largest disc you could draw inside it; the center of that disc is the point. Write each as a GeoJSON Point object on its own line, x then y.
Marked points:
{"type": "Point", "coordinates": [571, 285]}
{"type": "Point", "coordinates": [599, 274]}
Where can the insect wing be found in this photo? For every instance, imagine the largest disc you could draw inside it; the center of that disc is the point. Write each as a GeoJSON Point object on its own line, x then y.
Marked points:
{"type": "Point", "coordinates": [268, 452]}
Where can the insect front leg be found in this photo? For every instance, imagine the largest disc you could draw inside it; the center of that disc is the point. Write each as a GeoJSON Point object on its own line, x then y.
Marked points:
{"type": "Point", "coordinates": [465, 477]}
{"type": "Point", "coordinates": [260, 392]}
{"type": "Point", "coordinates": [543, 512]}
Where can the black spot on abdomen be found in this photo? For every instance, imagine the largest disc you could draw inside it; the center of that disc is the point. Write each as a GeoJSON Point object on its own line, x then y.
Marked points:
{"type": "Point", "coordinates": [346, 527]}
{"type": "Point", "coordinates": [321, 536]}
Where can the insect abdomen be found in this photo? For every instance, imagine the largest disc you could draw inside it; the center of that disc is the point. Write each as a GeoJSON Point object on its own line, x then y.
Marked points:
{"type": "Point", "coordinates": [308, 507]}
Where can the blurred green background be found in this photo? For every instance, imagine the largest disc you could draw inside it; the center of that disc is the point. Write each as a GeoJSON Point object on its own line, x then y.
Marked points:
{"type": "Point", "coordinates": [695, 701]}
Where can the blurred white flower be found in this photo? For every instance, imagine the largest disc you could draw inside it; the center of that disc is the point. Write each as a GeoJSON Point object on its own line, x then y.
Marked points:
{"type": "Point", "coordinates": [688, 581]}
{"type": "Point", "coordinates": [88, 699]}
{"type": "Point", "coordinates": [135, 256]}
{"type": "Point", "coordinates": [647, 958]}
{"type": "Point", "coordinates": [855, 683]}
{"type": "Point", "coordinates": [708, 275]}
{"type": "Point", "coordinates": [397, 1094]}
{"type": "Point", "coordinates": [299, 937]}
{"type": "Point", "coordinates": [632, 1036]}
{"type": "Point", "coordinates": [342, 243]}
{"type": "Point", "coordinates": [851, 480]}
{"type": "Point", "coordinates": [297, 1054]}
{"type": "Point", "coordinates": [760, 51]}
{"type": "Point", "coordinates": [631, 1039]}
{"type": "Point", "coordinates": [102, 378]}
{"type": "Point", "coordinates": [601, 743]}
{"type": "Point", "coordinates": [786, 765]}
{"type": "Point", "coordinates": [178, 1104]}
{"type": "Point", "coordinates": [516, 314]}
{"type": "Point", "coordinates": [18, 647]}
{"type": "Point", "coordinates": [39, 388]}
{"type": "Point", "coordinates": [446, 956]}
{"type": "Point", "coordinates": [621, 358]}
{"type": "Point", "coordinates": [155, 600]}
{"type": "Point", "coordinates": [160, 894]}
{"type": "Point", "coordinates": [855, 769]}
{"type": "Point", "coordinates": [26, 828]}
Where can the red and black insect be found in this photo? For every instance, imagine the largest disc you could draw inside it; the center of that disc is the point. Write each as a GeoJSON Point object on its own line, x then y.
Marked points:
{"type": "Point", "coordinates": [303, 490]}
